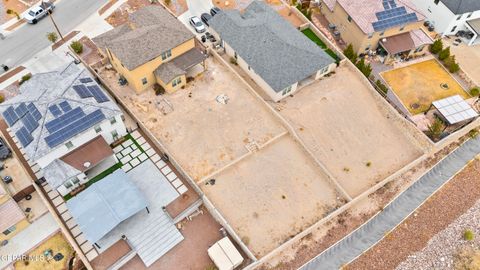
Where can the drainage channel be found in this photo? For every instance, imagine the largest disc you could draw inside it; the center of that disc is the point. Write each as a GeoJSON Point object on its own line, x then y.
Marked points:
{"type": "Point", "coordinates": [359, 241]}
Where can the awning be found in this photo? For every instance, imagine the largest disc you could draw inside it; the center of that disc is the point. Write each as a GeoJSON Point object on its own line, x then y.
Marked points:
{"type": "Point", "coordinates": [475, 25]}
{"type": "Point", "coordinates": [405, 42]}
{"type": "Point", "coordinates": [179, 66]}
{"type": "Point", "coordinates": [455, 109]}
{"type": "Point", "coordinates": [105, 204]}
{"type": "Point", "coordinates": [88, 155]}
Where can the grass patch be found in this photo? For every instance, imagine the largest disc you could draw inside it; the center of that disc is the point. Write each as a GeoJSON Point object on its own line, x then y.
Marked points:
{"type": "Point", "coordinates": [313, 37]}
{"type": "Point", "coordinates": [97, 178]}
{"type": "Point", "coordinates": [129, 137]}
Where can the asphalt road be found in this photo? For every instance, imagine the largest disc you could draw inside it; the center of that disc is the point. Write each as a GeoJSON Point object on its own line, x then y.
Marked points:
{"type": "Point", "coordinates": [28, 40]}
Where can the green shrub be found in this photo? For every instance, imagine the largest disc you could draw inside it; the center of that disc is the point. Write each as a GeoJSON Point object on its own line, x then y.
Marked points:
{"type": "Point", "coordinates": [444, 54]}
{"type": "Point", "coordinates": [350, 54]}
{"type": "Point", "coordinates": [475, 91]}
{"type": "Point", "coordinates": [52, 37]}
{"type": "Point", "coordinates": [13, 12]}
{"type": "Point", "coordinates": [454, 67]}
{"type": "Point", "coordinates": [233, 61]}
{"type": "Point", "coordinates": [435, 130]}
{"type": "Point", "coordinates": [167, 2]}
{"type": "Point", "coordinates": [436, 47]}
{"type": "Point", "coordinates": [2, 98]}
{"type": "Point", "coordinates": [77, 46]}
{"type": "Point", "coordinates": [25, 78]}
{"type": "Point", "coordinates": [468, 235]}
{"type": "Point", "coordinates": [382, 86]}
{"type": "Point", "coordinates": [473, 133]}
{"type": "Point", "coordinates": [366, 69]}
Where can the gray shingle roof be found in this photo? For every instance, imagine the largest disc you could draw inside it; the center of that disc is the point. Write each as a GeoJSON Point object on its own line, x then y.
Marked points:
{"type": "Point", "coordinates": [273, 48]}
{"type": "Point", "coordinates": [45, 89]}
{"type": "Point", "coordinates": [149, 32]}
{"type": "Point", "coordinates": [462, 6]}
{"type": "Point", "coordinates": [179, 65]}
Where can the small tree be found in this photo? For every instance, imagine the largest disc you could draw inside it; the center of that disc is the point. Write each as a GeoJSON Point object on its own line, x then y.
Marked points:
{"type": "Point", "coordinates": [25, 78]}
{"type": "Point", "coordinates": [350, 54]}
{"type": "Point", "coordinates": [366, 69]}
{"type": "Point", "coordinates": [436, 47]}
{"type": "Point", "coordinates": [444, 54]}
{"type": "Point", "coordinates": [435, 130]}
{"type": "Point", "coordinates": [77, 46]}
{"type": "Point", "coordinates": [382, 86]}
{"type": "Point", "coordinates": [454, 67]}
{"type": "Point", "coordinates": [468, 235]}
{"type": "Point", "coordinates": [52, 37]}
{"type": "Point", "coordinates": [475, 91]}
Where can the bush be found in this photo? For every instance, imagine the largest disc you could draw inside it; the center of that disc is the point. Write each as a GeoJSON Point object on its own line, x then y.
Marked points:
{"type": "Point", "coordinates": [444, 54]}
{"type": "Point", "coordinates": [13, 12]}
{"type": "Point", "coordinates": [159, 90]}
{"type": "Point", "coordinates": [77, 47]}
{"type": "Point", "coordinates": [454, 68]}
{"type": "Point", "coordinates": [435, 130]}
{"type": "Point", "coordinates": [473, 133]}
{"type": "Point", "coordinates": [167, 2]}
{"type": "Point", "coordinates": [382, 86]}
{"type": "Point", "coordinates": [468, 235]}
{"type": "Point", "coordinates": [350, 54]}
{"type": "Point", "coordinates": [25, 78]}
{"type": "Point", "coordinates": [436, 47]}
{"type": "Point", "coordinates": [233, 60]}
{"type": "Point", "coordinates": [2, 98]}
{"type": "Point", "coordinates": [366, 69]}
{"type": "Point", "coordinates": [52, 37]}
{"type": "Point", "coordinates": [475, 91]}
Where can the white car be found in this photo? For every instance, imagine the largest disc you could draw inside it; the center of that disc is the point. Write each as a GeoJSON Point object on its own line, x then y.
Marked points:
{"type": "Point", "coordinates": [36, 13]}
{"type": "Point", "coordinates": [197, 24]}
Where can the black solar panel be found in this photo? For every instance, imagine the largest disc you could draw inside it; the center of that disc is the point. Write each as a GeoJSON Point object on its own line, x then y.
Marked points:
{"type": "Point", "coordinates": [24, 136]}
{"type": "Point", "coordinates": [21, 110]}
{"type": "Point", "coordinates": [10, 116]}
{"type": "Point", "coordinates": [29, 122]}
{"type": "Point", "coordinates": [82, 91]}
{"type": "Point", "coordinates": [64, 120]}
{"type": "Point", "coordinates": [98, 93]}
{"type": "Point", "coordinates": [65, 106]}
{"type": "Point", "coordinates": [55, 110]}
{"type": "Point", "coordinates": [74, 128]}
{"type": "Point", "coordinates": [34, 111]}
{"type": "Point", "coordinates": [86, 80]}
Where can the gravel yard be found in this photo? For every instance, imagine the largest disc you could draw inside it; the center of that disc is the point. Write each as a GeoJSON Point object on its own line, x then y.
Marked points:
{"type": "Point", "coordinates": [350, 131]}
{"type": "Point", "coordinates": [425, 228]}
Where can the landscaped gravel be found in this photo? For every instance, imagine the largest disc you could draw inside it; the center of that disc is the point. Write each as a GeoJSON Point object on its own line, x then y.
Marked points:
{"type": "Point", "coordinates": [440, 250]}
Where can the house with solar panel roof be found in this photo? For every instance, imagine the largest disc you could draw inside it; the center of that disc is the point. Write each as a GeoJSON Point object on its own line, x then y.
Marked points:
{"type": "Point", "coordinates": [391, 28]}
{"type": "Point", "coordinates": [63, 122]}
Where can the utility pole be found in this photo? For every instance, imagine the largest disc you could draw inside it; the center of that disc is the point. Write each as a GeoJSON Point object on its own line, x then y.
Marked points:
{"type": "Point", "coordinates": [53, 21]}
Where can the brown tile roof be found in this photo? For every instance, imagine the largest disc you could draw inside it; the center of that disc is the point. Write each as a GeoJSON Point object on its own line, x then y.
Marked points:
{"type": "Point", "coordinates": [149, 32]}
{"type": "Point", "coordinates": [93, 152]}
{"type": "Point", "coordinates": [11, 214]}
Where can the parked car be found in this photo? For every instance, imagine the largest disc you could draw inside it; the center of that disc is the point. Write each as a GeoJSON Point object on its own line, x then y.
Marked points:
{"type": "Point", "coordinates": [214, 11]}
{"type": "Point", "coordinates": [5, 152]}
{"type": "Point", "coordinates": [197, 24]}
{"type": "Point", "coordinates": [205, 18]}
{"type": "Point", "coordinates": [36, 13]}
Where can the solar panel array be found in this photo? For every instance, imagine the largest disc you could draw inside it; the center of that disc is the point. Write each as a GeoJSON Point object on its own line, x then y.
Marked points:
{"type": "Point", "coordinates": [97, 93]}
{"type": "Point", "coordinates": [32, 109]}
{"type": "Point", "coordinates": [24, 136]}
{"type": "Point", "coordinates": [29, 122]}
{"type": "Point", "coordinates": [455, 109]}
{"type": "Point", "coordinates": [74, 127]}
{"type": "Point", "coordinates": [86, 91]}
{"type": "Point", "coordinates": [86, 80]}
{"type": "Point", "coordinates": [392, 16]}
{"type": "Point", "coordinates": [82, 91]}
{"type": "Point", "coordinates": [64, 120]}
{"type": "Point", "coordinates": [10, 116]}
{"type": "Point", "coordinates": [29, 116]}
{"type": "Point", "coordinates": [65, 106]}
{"type": "Point", "coordinates": [55, 110]}
{"type": "Point", "coordinates": [21, 110]}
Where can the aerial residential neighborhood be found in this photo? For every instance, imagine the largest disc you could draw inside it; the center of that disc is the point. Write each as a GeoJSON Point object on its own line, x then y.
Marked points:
{"type": "Point", "coordinates": [239, 134]}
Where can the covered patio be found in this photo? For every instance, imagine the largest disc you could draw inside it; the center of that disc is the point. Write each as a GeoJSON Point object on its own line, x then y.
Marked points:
{"type": "Point", "coordinates": [404, 46]}
{"type": "Point", "coordinates": [474, 27]}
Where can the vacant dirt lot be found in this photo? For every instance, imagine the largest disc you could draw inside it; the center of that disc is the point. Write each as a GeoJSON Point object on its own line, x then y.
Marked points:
{"type": "Point", "coordinates": [201, 133]}
{"type": "Point", "coordinates": [345, 128]}
{"type": "Point", "coordinates": [468, 57]}
{"type": "Point", "coordinates": [272, 195]}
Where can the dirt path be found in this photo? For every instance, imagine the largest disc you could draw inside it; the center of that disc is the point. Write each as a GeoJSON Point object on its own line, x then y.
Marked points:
{"type": "Point", "coordinates": [449, 203]}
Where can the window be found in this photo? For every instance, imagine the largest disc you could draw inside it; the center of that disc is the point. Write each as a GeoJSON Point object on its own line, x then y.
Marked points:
{"type": "Point", "coordinates": [144, 81]}
{"type": "Point", "coordinates": [68, 184]}
{"type": "Point", "coordinates": [166, 54]}
{"type": "Point", "coordinates": [113, 120]}
{"type": "Point", "coordinates": [287, 90]}
{"type": "Point", "coordinates": [469, 15]}
{"type": "Point", "coordinates": [69, 145]}
{"type": "Point", "coordinates": [454, 28]}
{"type": "Point", "coordinates": [98, 128]}
{"type": "Point", "coordinates": [349, 18]}
{"type": "Point", "coordinates": [324, 70]}
{"type": "Point", "coordinates": [459, 17]}
{"type": "Point", "coordinates": [176, 81]}
{"type": "Point", "coordinates": [114, 135]}
{"type": "Point", "coordinates": [419, 49]}
{"type": "Point", "coordinates": [235, 55]}
{"type": "Point", "coordinates": [9, 230]}
{"type": "Point", "coordinates": [75, 180]}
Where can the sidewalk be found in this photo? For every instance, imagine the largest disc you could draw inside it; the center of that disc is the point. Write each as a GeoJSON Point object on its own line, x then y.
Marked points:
{"type": "Point", "coordinates": [352, 246]}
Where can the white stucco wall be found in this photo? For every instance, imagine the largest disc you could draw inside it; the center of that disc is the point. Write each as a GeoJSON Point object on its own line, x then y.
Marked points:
{"type": "Point", "coordinates": [84, 137]}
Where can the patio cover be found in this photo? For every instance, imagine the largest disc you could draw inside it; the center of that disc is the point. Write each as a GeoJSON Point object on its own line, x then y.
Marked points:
{"type": "Point", "coordinates": [475, 25]}
{"type": "Point", "coordinates": [455, 109]}
{"type": "Point", "coordinates": [179, 66]}
{"type": "Point", "coordinates": [105, 204]}
{"type": "Point", "coordinates": [405, 42]}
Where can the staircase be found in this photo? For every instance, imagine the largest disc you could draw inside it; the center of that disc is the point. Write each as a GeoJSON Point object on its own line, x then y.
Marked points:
{"type": "Point", "coordinates": [158, 237]}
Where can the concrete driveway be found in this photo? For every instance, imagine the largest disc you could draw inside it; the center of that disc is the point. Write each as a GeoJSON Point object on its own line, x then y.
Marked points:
{"type": "Point", "coordinates": [195, 8]}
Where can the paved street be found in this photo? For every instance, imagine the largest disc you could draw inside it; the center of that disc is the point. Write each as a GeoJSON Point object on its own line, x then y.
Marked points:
{"type": "Point", "coordinates": [28, 40]}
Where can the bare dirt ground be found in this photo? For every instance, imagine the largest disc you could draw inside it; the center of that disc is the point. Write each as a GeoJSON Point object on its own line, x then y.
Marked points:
{"type": "Point", "coordinates": [203, 134]}
{"type": "Point", "coordinates": [90, 52]}
{"type": "Point", "coordinates": [268, 202]}
{"type": "Point", "coordinates": [454, 199]}
{"type": "Point", "coordinates": [332, 231]}
{"type": "Point", "coordinates": [120, 15]}
{"type": "Point", "coordinates": [242, 4]}
{"type": "Point", "coordinates": [14, 5]}
{"type": "Point", "coordinates": [468, 58]}
{"type": "Point", "coordinates": [345, 128]}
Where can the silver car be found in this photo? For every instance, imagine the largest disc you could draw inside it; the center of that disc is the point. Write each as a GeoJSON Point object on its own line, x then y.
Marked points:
{"type": "Point", "coordinates": [35, 13]}
{"type": "Point", "coordinates": [197, 24]}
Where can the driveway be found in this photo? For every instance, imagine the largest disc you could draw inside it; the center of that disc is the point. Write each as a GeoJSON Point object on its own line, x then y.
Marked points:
{"type": "Point", "coordinates": [195, 8]}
